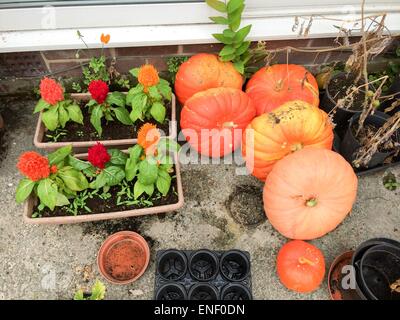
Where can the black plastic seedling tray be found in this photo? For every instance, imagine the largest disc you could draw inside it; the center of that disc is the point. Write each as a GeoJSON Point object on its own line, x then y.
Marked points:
{"type": "Point", "coordinates": [202, 275]}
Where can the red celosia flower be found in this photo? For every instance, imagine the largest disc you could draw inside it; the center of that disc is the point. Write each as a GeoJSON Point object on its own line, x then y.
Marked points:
{"type": "Point", "coordinates": [98, 155]}
{"type": "Point", "coordinates": [99, 90]}
{"type": "Point", "coordinates": [51, 91]}
{"type": "Point", "coordinates": [34, 166]}
{"type": "Point", "coordinates": [53, 169]}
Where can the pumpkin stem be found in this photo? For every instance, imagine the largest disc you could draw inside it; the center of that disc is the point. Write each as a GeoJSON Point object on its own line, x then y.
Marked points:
{"type": "Point", "coordinates": [303, 260]}
{"type": "Point", "coordinates": [296, 147]}
{"type": "Point", "coordinates": [311, 202]}
{"type": "Point", "coordinates": [229, 124]}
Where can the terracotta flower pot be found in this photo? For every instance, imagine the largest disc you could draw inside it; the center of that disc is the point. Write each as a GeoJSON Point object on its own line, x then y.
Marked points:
{"type": "Point", "coordinates": [123, 257]}
{"type": "Point", "coordinates": [82, 146]}
{"type": "Point", "coordinates": [32, 201]}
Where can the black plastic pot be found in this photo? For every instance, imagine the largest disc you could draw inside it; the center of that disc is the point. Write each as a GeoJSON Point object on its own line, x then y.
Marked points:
{"type": "Point", "coordinates": [171, 291]}
{"type": "Point", "coordinates": [350, 144]}
{"type": "Point", "coordinates": [379, 269]}
{"type": "Point", "coordinates": [203, 265]}
{"type": "Point", "coordinates": [328, 103]}
{"type": "Point", "coordinates": [336, 142]}
{"type": "Point", "coordinates": [235, 292]}
{"type": "Point", "coordinates": [172, 265]}
{"type": "Point", "coordinates": [203, 291]}
{"type": "Point", "coordinates": [359, 254]}
{"type": "Point", "coordinates": [234, 265]}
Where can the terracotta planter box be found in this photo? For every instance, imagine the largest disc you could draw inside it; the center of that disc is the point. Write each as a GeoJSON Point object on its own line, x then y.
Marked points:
{"type": "Point", "coordinates": [32, 201]}
{"type": "Point", "coordinates": [82, 146]}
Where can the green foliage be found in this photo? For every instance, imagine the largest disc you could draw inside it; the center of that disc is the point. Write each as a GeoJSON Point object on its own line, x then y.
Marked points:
{"type": "Point", "coordinates": [59, 187]}
{"type": "Point", "coordinates": [96, 70]}
{"type": "Point", "coordinates": [150, 103]}
{"type": "Point", "coordinates": [58, 133]}
{"type": "Point", "coordinates": [173, 64]}
{"type": "Point", "coordinates": [112, 108]}
{"type": "Point", "coordinates": [76, 87]}
{"type": "Point", "coordinates": [56, 116]}
{"type": "Point", "coordinates": [390, 182]}
{"type": "Point", "coordinates": [236, 48]}
{"type": "Point", "coordinates": [98, 292]}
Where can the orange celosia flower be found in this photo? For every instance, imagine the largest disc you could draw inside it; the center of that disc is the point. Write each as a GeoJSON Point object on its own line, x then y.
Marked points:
{"type": "Point", "coordinates": [148, 76]}
{"type": "Point", "coordinates": [148, 137]}
{"type": "Point", "coordinates": [105, 38]}
{"type": "Point", "coordinates": [34, 166]}
{"type": "Point", "coordinates": [51, 91]}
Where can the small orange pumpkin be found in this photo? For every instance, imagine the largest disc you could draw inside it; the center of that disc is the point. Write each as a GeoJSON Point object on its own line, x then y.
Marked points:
{"type": "Point", "coordinates": [204, 71]}
{"type": "Point", "coordinates": [271, 136]}
{"type": "Point", "coordinates": [213, 120]}
{"type": "Point", "coordinates": [270, 87]}
{"type": "Point", "coordinates": [309, 193]}
{"type": "Point", "coordinates": [300, 266]}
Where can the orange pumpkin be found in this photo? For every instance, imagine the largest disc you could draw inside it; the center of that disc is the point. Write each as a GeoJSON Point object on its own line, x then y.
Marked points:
{"type": "Point", "coordinates": [270, 87]}
{"type": "Point", "coordinates": [204, 71]}
{"type": "Point", "coordinates": [300, 266]}
{"type": "Point", "coordinates": [309, 193]}
{"type": "Point", "coordinates": [213, 120]}
{"type": "Point", "coordinates": [271, 136]}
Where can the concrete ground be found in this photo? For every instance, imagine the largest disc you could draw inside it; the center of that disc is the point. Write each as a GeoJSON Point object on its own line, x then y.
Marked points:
{"type": "Point", "coordinates": [51, 262]}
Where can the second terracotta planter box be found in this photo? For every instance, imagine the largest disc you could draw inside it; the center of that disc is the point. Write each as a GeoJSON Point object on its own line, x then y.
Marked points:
{"type": "Point", "coordinates": [31, 202]}
{"type": "Point", "coordinates": [82, 146]}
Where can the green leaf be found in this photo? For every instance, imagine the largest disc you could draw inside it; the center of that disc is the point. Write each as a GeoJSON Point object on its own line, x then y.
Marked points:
{"type": "Point", "coordinates": [243, 48]}
{"type": "Point", "coordinates": [235, 18]}
{"type": "Point", "coordinates": [117, 157]}
{"type": "Point", "coordinates": [78, 164]}
{"type": "Point", "coordinates": [47, 193]}
{"type": "Point", "coordinates": [79, 295]}
{"type": "Point", "coordinates": [229, 33]}
{"type": "Point", "coordinates": [163, 182]}
{"type": "Point", "coordinates": [134, 72]}
{"type": "Point", "coordinates": [217, 5]}
{"type": "Point", "coordinates": [50, 118]}
{"type": "Point", "coordinates": [148, 172]}
{"type": "Point", "coordinates": [166, 145]}
{"type": "Point", "coordinates": [138, 103]}
{"type": "Point", "coordinates": [239, 66]}
{"type": "Point", "coordinates": [123, 116]}
{"type": "Point", "coordinates": [139, 188]}
{"type": "Point", "coordinates": [135, 152]}
{"type": "Point", "coordinates": [100, 182]}
{"type": "Point", "coordinates": [221, 38]}
{"type": "Point", "coordinates": [242, 34]}
{"type": "Point", "coordinates": [98, 291]}
{"type": "Point", "coordinates": [116, 98]}
{"type": "Point", "coordinates": [166, 163]}
{"type": "Point", "coordinates": [219, 20]}
{"type": "Point", "coordinates": [165, 89]}
{"type": "Point", "coordinates": [75, 113]}
{"type": "Point", "coordinates": [131, 168]}
{"type": "Point", "coordinates": [95, 119]}
{"type": "Point", "coordinates": [59, 155]}
{"type": "Point", "coordinates": [73, 179]}
{"type": "Point", "coordinates": [41, 105]}
{"type": "Point", "coordinates": [63, 116]}
{"type": "Point", "coordinates": [227, 50]}
{"type": "Point", "coordinates": [114, 175]}
{"type": "Point", "coordinates": [132, 92]}
{"type": "Point", "coordinates": [24, 189]}
{"type": "Point", "coordinates": [154, 94]}
{"type": "Point", "coordinates": [234, 5]}
{"type": "Point", "coordinates": [158, 112]}
{"type": "Point", "coordinates": [228, 57]}
{"type": "Point", "coordinates": [62, 200]}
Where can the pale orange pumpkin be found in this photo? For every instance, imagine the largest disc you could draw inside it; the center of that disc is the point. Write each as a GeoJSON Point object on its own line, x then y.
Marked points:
{"type": "Point", "coordinates": [270, 87]}
{"type": "Point", "coordinates": [272, 136]}
{"type": "Point", "coordinates": [213, 120]}
{"type": "Point", "coordinates": [300, 266]}
{"type": "Point", "coordinates": [204, 71]}
{"type": "Point", "coordinates": [309, 193]}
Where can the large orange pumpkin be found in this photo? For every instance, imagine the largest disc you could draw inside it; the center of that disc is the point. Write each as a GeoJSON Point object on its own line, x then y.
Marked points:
{"type": "Point", "coordinates": [204, 71]}
{"type": "Point", "coordinates": [213, 120]}
{"type": "Point", "coordinates": [271, 136]}
{"type": "Point", "coordinates": [300, 266]}
{"type": "Point", "coordinates": [270, 87]}
{"type": "Point", "coordinates": [309, 193]}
